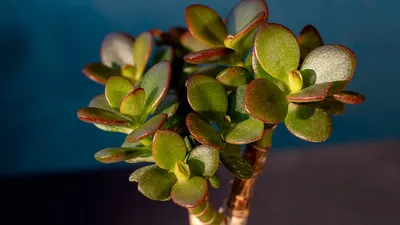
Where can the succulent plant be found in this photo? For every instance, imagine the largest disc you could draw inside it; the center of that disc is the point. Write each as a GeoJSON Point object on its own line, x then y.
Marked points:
{"type": "Point", "coordinates": [213, 89]}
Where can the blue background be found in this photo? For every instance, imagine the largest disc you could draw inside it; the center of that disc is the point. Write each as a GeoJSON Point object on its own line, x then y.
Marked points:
{"type": "Point", "coordinates": [46, 43]}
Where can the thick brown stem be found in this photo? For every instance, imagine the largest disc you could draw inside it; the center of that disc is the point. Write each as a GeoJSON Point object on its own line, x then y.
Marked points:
{"type": "Point", "coordinates": [241, 191]}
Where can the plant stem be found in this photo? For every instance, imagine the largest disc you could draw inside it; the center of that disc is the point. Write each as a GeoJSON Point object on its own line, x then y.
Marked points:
{"type": "Point", "coordinates": [241, 191]}
{"type": "Point", "coordinates": [205, 214]}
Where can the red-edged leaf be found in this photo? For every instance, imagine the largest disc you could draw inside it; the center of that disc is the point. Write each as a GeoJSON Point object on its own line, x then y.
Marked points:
{"type": "Point", "coordinates": [313, 93]}
{"type": "Point", "coordinates": [100, 116]}
{"type": "Point", "coordinates": [213, 55]}
{"type": "Point", "coordinates": [117, 49]}
{"type": "Point", "coordinates": [349, 97]}
{"type": "Point", "coordinates": [100, 73]}
{"type": "Point", "coordinates": [202, 131]}
{"type": "Point", "coordinates": [309, 40]}
{"type": "Point", "coordinates": [147, 129]}
{"type": "Point", "coordinates": [191, 43]}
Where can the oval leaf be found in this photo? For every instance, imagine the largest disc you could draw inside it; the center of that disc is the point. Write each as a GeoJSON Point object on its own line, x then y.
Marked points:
{"type": "Point", "coordinates": [330, 106]}
{"type": "Point", "coordinates": [308, 123]}
{"type": "Point", "coordinates": [245, 132]}
{"type": "Point", "coordinates": [265, 101]}
{"type": "Point", "coordinates": [99, 73]}
{"type": "Point", "coordinates": [236, 109]}
{"type": "Point", "coordinates": [206, 25]}
{"type": "Point", "coordinates": [132, 104]}
{"type": "Point", "coordinates": [309, 40]}
{"type": "Point", "coordinates": [116, 89]}
{"type": "Point", "coordinates": [313, 93]}
{"type": "Point", "coordinates": [116, 49]}
{"type": "Point", "coordinates": [295, 81]}
{"type": "Point", "coordinates": [277, 50]}
{"type": "Point", "coordinates": [155, 83]}
{"type": "Point", "coordinates": [202, 131]}
{"type": "Point", "coordinates": [190, 193]}
{"type": "Point", "coordinates": [243, 13]}
{"type": "Point", "coordinates": [209, 70]}
{"type": "Point", "coordinates": [233, 77]}
{"type": "Point", "coordinates": [214, 181]}
{"type": "Point", "coordinates": [220, 55]}
{"type": "Point", "coordinates": [168, 148]}
{"type": "Point", "coordinates": [207, 96]}
{"type": "Point", "coordinates": [137, 174]}
{"type": "Point", "coordinates": [142, 51]}
{"type": "Point", "coordinates": [147, 129]}
{"type": "Point", "coordinates": [349, 97]}
{"type": "Point", "coordinates": [329, 63]}
{"type": "Point", "coordinates": [156, 184]}
{"type": "Point", "coordinates": [101, 116]}
{"type": "Point", "coordinates": [113, 155]}
{"type": "Point", "coordinates": [169, 105]}
{"type": "Point", "coordinates": [203, 160]}
{"type": "Point", "coordinates": [237, 165]}
{"type": "Point", "coordinates": [191, 43]}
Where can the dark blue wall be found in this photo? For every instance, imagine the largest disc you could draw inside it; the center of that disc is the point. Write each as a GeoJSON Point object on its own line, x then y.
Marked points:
{"type": "Point", "coordinates": [45, 43]}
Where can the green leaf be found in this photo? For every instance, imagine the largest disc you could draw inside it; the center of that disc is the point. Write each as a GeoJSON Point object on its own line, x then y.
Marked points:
{"type": "Point", "coordinates": [237, 165]}
{"type": "Point", "coordinates": [142, 51]}
{"type": "Point", "coordinates": [244, 39]}
{"type": "Point", "coordinates": [202, 131]}
{"type": "Point", "coordinates": [243, 13]}
{"type": "Point", "coordinates": [155, 83]}
{"type": "Point", "coordinates": [168, 148]}
{"type": "Point", "coordinates": [249, 62]}
{"type": "Point", "coordinates": [221, 55]}
{"type": "Point", "coordinates": [231, 149]}
{"type": "Point", "coordinates": [181, 170]}
{"type": "Point", "coordinates": [295, 81]}
{"type": "Point", "coordinates": [203, 160]}
{"type": "Point", "coordinates": [137, 174]}
{"type": "Point", "coordinates": [349, 97]}
{"type": "Point", "coordinates": [314, 93]}
{"type": "Point", "coordinates": [214, 181]}
{"type": "Point", "coordinates": [245, 132]}
{"type": "Point", "coordinates": [156, 184]}
{"type": "Point", "coordinates": [209, 70]}
{"type": "Point", "coordinates": [113, 155]}
{"type": "Point", "coordinates": [116, 89]}
{"type": "Point", "coordinates": [207, 97]}
{"type": "Point", "coordinates": [206, 25]}
{"type": "Point", "coordinates": [101, 116]}
{"type": "Point", "coordinates": [116, 49]}
{"type": "Point", "coordinates": [129, 72]}
{"type": "Point", "coordinates": [191, 43]}
{"type": "Point", "coordinates": [265, 101]}
{"type": "Point", "coordinates": [233, 77]}
{"type": "Point", "coordinates": [308, 123]}
{"type": "Point", "coordinates": [169, 105]}
{"type": "Point", "coordinates": [132, 104]}
{"type": "Point", "coordinates": [147, 129]}
{"type": "Point", "coordinates": [236, 108]}
{"type": "Point", "coordinates": [190, 193]}
{"type": "Point", "coordinates": [100, 73]}
{"type": "Point", "coordinates": [330, 106]}
{"type": "Point", "coordinates": [164, 53]}
{"type": "Point", "coordinates": [329, 63]}
{"type": "Point", "coordinates": [277, 50]}
{"type": "Point", "coordinates": [309, 40]}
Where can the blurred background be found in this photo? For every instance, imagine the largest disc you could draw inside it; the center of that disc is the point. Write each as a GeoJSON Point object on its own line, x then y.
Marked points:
{"type": "Point", "coordinates": [45, 44]}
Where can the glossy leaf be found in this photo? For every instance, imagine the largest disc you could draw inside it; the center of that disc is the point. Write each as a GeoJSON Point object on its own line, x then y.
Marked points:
{"type": "Point", "coordinates": [191, 43]}
{"type": "Point", "coordinates": [100, 73]}
{"type": "Point", "coordinates": [155, 83]}
{"type": "Point", "coordinates": [308, 123]}
{"type": "Point", "coordinates": [277, 50]}
{"type": "Point", "coordinates": [206, 25]}
{"type": "Point", "coordinates": [245, 132]}
{"type": "Point", "coordinates": [236, 108]}
{"type": "Point", "coordinates": [309, 40]}
{"type": "Point", "coordinates": [169, 105]}
{"type": "Point", "coordinates": [190, 193]}
{"type": "Point", "coordinates": [101, 116]}
{"type": "Point", "coordinates": [214, 181]}
{"type": "Point", "coordinates": [209, 70]}
{"type": "Point", "coordinates": [314, 93]}
{"type": "Point", "coordinates": [132, 104]}
{"type": "Point", "coordinates": [147, 129]}
{"type": "Point", "coordinates": [231, 149]}
{"type": "Point", "coordinates": [116, 49]}
{"type": "Point", "coordinates": [349, 97]}
{"type": "Point", "coordinates": [237, 165]}
{"type": "Point", "coordinates": [330, 106]}
{"type": "Point", "coordinates": [219, 55]}
{"type": "Point", "coordinates": [329, 63]}
{"type": "Point", "coordinates": [168, 148]}
{"type": "Point", "coordinates": [116, 89]}
{"type": "Point", "coordinates": [129, 71]}
{"type": "Point", "coordinates": [156, 184]}
{"type": "Point", "coordinates": [182, 170]}
{"type": "Point", "coordinates": [295, 81]}
{"type": "Point", "coordinates": [137, 174]}
{"type": "Point", "coordinates": [233, 77]}
{"type": "Point", "coordinates": [202, 131]}
{"type": "Point", "coordinates": [164, 53]}
{"type": "Point", "coordinates": [207, 97]}
{"type": "Point", "coordinates": [113, 155]}
{"type": "Point", "coordinates": [243, 13]}
{"type": "Point", "coordinates": [148, 157]}
{"type": "Point", "coordinates": [265, 101]}
{"type": "Point", "coordinates": [203, 160]}
{"type": "Point", "coordinates": [142, 51]}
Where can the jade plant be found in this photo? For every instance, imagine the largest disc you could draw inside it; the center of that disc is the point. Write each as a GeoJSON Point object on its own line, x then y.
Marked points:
{"type": "Point", "coordinates": [192, 99]}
